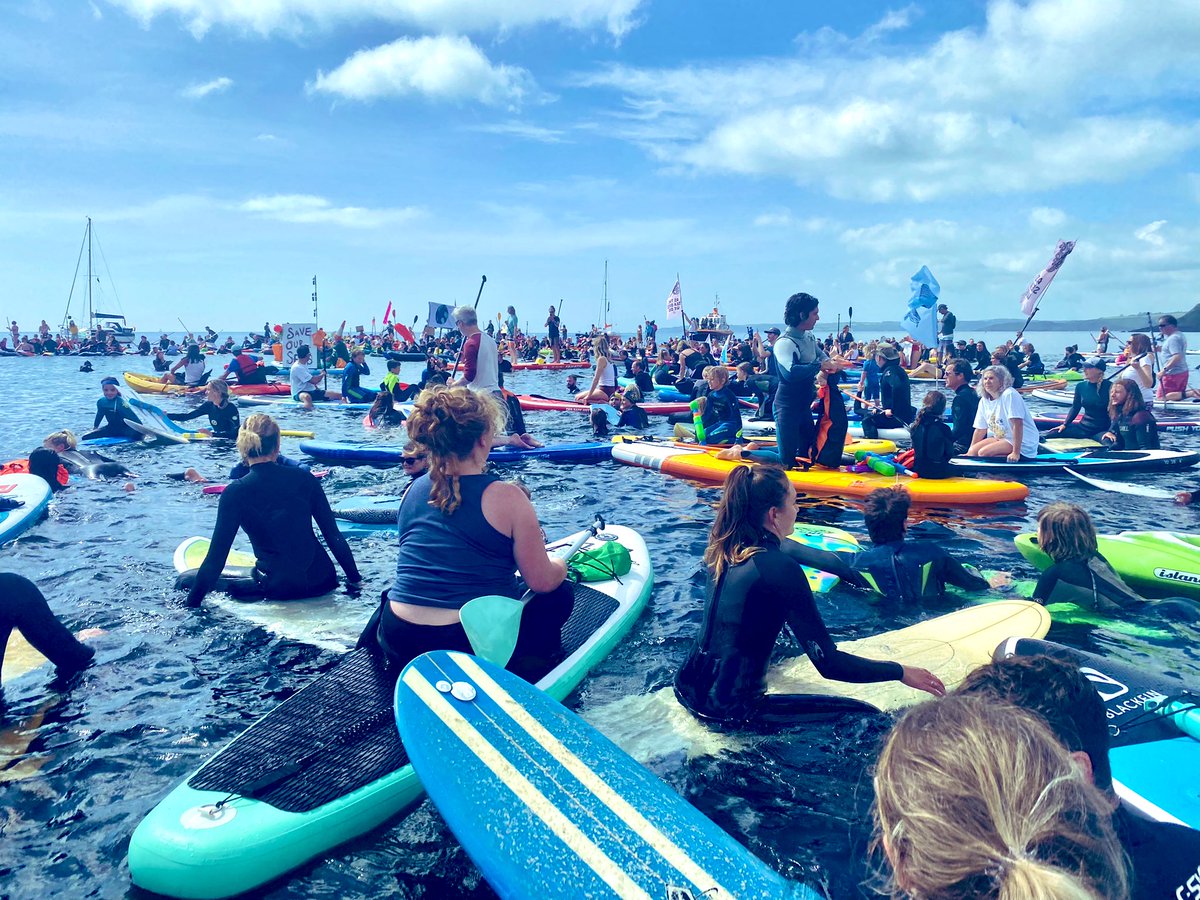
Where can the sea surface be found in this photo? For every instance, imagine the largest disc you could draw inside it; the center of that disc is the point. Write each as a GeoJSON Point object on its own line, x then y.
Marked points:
{"type": "Point", "coordinates": [82, 764]}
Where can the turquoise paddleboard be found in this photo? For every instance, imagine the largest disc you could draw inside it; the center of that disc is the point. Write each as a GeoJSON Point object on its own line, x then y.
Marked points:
{"type": "Point", "coordinates": [547, 806]}
{"type": "Point", "coordinates": [824, 537]}
{"type": "Point", "coordinates": [32, 493]}
{"type": "Point", "coordinates": [327, 765]}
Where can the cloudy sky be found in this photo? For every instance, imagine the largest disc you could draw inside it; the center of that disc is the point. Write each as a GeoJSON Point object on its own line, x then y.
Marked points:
{"type": "Point", "coordinates": [229, 150]}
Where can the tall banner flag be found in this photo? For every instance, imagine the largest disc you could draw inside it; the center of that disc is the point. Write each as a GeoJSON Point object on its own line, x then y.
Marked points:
{"type": "Point", "coordinates": [441, 315]}
{"type": "Point", "coordinates": [387, 314]}
{"type": "Point", "coordinates": [675, 302]}
{"type": "Point", "coordinates": [1037, 287]}
{"type": "Point", "coordinates": [921, 319]}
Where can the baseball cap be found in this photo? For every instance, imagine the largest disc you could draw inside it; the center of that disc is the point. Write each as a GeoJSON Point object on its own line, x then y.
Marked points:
{"type": "Point", "coordinates": [773, 330]}
{"type": "Point", "coordinates": [1094, 362]}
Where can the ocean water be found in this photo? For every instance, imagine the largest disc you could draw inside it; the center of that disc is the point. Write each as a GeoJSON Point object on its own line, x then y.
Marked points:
{"type": "Point", "coordinates": [82, 764]}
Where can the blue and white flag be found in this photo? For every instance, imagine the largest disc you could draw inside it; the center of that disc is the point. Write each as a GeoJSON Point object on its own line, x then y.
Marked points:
{"type": "Point", "coordinates": [921, 319]}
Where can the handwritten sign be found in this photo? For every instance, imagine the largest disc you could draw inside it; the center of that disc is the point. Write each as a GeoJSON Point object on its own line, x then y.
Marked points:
{"type": "Point", "coordinates": [295, 336]}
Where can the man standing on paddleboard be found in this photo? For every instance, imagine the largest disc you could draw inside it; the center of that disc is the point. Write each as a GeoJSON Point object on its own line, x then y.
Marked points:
{"type": "Point", "coordinates": [798, 357]}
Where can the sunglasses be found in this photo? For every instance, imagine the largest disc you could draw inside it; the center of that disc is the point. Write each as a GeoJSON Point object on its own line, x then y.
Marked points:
{"type": "Point", "coordinates": [410, 460]}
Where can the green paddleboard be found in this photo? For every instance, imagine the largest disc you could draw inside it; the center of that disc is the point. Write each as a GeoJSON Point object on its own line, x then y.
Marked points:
{"type": "Point", "coordinates": [1155, 563]}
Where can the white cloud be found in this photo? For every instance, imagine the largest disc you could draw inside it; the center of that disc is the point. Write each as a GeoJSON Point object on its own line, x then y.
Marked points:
{"type": "Point", "coordinates": [266, 17]}
{"type": "Point", "coordinates": [438, 68]}
{"type": "Point", "coordinates": [97, 14]}
{"type": "Point", "coordinates": [1047, 217]}
{"type": "Point", "coordinates": [199, 91]}
{"type": "Point", "coordinates": [781, 219]}
{"type": "Point", "coordinates": [1030, 101]}
{"type": "Point", "coordinates": [524, 130]}
{"type": "Point", "coordinates": [306, 209]}
{"type": "Point", "coordinates": [267, 138]}
{"type": "Point", "coordinates": [1151, 233]}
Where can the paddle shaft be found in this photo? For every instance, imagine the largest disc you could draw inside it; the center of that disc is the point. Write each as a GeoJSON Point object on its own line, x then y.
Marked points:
{"type": "Point", "coordinates": [871, 403]}
{"type": "Point", "coordinates": [458, 356]}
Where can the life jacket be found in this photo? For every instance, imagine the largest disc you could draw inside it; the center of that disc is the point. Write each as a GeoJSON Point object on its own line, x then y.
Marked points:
{"type": "Point", "coordinates": [245, 363]}
{"type": "Point", "coordinates": [21, 467]}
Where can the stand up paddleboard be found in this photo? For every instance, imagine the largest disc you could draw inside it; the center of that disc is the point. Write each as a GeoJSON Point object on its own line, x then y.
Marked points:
{"type": "Point", "coordinates": [547, 806]}
{"type": "Point", "coordinates": [1162, 563]}
{"type": "Point", "coordinates": [327, 765]}
{"type": "Point", "coordinates": [32, 493]}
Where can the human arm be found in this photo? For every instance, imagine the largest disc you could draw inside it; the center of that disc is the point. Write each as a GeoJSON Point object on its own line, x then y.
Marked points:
{"type": "Point", "coordinates": [319, 508]}
{"type": "Point", "coordinates": [228, 521]}
{"type": "Point", "coordinates": [1018, 434]}
{"type": "Point", "coordinates": [202, 410]}
{"type": "Point", "coordinates": [99, 415]}
{"type": "Point", "coordinates": [951, 571]}
{"type": "Point", "coordinates": [470, 353]}
{"type": "Point", "coordinates": [508, 510]}
{"type": "Point", "coordinates": [839, 564]}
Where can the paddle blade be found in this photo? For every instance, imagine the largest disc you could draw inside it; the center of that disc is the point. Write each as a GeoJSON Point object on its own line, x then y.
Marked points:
{"type": "Point", "coordinates": [492, 624]}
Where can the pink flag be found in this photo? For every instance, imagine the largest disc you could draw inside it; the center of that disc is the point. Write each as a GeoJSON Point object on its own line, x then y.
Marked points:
{"type": "Point", "coordinates": [388, 314]}
{"type": "Point", "coordinates": [1033, 293]}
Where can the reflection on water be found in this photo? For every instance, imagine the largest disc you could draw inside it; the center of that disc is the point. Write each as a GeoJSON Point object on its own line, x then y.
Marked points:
{"type": "Point", "coordinates": [85, 761]}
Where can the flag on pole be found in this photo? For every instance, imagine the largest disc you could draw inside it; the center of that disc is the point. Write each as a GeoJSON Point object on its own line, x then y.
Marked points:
{"type": "Point", "coordinates": [921, 319]}
{"type": "Point", "coordinates": [675, 302]}
{"type": "Point", "coordinates": [387, 313]}
{"type": "Point", "coordinates": [725, 350]}
{"type": "Point", "coordinates": [441, 315]}
{"type": "Point", "coordinates": [1037, 287]}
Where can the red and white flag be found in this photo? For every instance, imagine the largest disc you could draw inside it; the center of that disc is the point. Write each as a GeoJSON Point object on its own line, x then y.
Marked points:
{"type": "Point", "coordinates": [675, 302]}
{"type": "Point", "coordinates": [1033, 293]}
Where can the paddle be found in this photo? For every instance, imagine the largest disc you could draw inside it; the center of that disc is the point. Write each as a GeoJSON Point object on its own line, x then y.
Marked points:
{"type": "Point", "coordinates": [872, 404]}
{"type": "Point", "coordinates": [1120, 487]}
{"type": "Point", "coordinates": [492, 623]}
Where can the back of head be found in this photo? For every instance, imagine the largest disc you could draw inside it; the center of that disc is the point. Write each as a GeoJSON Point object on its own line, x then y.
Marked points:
{"type": "Point", "coordinates": [932, 406]}
{"type": "Point", "coordinates": [976, 798]}
{"type": "Point", "coordinates": [750, 491]}
{"type": "Point", "coordinates": [258, 437]}
{"type": "Point", "coordinates": [886, 513]}
{"type": "Point", "coordinates": [44, 464]}
{"type": "Point", "coordinates": [449, 423]}
{"type": "Point", "coordinates": [1066, 532]}
{"type": "Point", "coordinates": [466, 315]}
{"type": "Point", "coordinates": [61, 440]}
{"type": "Point", "coordinates": [1060, 694]}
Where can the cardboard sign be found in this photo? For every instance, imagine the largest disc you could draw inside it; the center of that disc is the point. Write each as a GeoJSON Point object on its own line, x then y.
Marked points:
{"type": "Point", "coordinates": [294, 336]}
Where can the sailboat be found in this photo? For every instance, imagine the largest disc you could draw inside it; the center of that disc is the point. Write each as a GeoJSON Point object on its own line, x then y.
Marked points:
{"type": "Point", "coordinates": [101, 325]}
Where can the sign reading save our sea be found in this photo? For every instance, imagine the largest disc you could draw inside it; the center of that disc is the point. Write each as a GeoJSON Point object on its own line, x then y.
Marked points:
{"type": "Point", "coordinates": [293, 337]}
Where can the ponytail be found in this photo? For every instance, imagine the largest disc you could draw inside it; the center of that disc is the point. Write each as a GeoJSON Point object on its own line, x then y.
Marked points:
{"type": "Point", "coordinates": [449, 422]}
{"type": "Point", "coordinates": [258, 437]}
{"type": "Point", "coordinates": [932, 407]}
{"type": "Point", "coordinates": [750, 491]}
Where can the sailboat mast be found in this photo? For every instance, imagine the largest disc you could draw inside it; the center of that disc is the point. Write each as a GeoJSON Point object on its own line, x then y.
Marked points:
{"type": "Point", "coordinates": [604, 321]}
{"type": "Point", "coordinates": [91, 315]}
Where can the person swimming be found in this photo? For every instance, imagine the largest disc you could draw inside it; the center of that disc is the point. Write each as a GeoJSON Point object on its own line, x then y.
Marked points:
{"type": "Point", "coordinates": [87, 463]}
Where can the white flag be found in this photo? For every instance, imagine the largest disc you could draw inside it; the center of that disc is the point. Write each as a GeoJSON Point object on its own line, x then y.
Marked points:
{"type": "Point", "coordinates": [440, 316]}
{"type": "Point", "coordinates": [1033, 293]}
{"type": "Point", "coordinates": [675, 302]}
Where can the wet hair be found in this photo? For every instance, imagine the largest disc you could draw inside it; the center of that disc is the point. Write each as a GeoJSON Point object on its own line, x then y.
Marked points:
{"type": "Point", "coordinates": [933, 406]}
{"type": "Point", "coordinates": [1002, 375]}
{"type": "Point", "coordinates": [1066, 532]}
{"type": "Point", "coordinates": [221, 386]}
{"type": "Point", "coordinates": [381, 405]}
{"type": "Point", "coordinates": [599, 422]}
{"type": "Point", "coordinates": [1134, 401]}
{"type": "Point", "coordinates": [978, 799]}
{"type": "Point", "coordinates": [1139, 343]}
{"type": "Point", "coordinates": [750, 492]}
{"type": "Point", "coordinates": [886, 512]}
{"type": "Point", "coordinates": [633, 394]}
{"type": "Point", "coordinates": [65, 437]}
{"type": "Point", "coordinates": [258, 437]}
{"type": "Point", "coordinates": [798, 308]}
{"type": "Point", "coordinates": [466, 315]}
{"type": "Point", "coordinates": [448, 422]}
{"type": "Point", "coordinates": [44, 463]}
{"type": "Point", "coordinates": [1058, 692]}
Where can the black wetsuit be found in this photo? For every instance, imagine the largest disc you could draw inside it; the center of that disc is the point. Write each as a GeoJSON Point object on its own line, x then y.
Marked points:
{"type": "Point", "coordinates": [23, 607]}
{"type": "Point", "coordinates": [90, 464]}
{"type": "Point", "coordinates": [962, 412]}
{"type": "Point", "coordinates": [895, 393]}
{"type": "Point", "coordinates": [1136, 432]}
{"type": "Point", "coordinates": [1164, 857]}
{"type": "Point", "coordinates": [1094, 584]}
{"type": "Point", "coordinates": [1093, 400]}
{"type": "Point", "coordinates": [933, 443]}
{"type": "Point", "coordinates": [634, 417]}
{"type": "Point", "coordinates": [1071, 361]}
{"type": "Point", "coordinates": [224, 420]}
{"type": "Point", "coordinates": [915, 571]}
{"type": "Point", "coordinates": [113, 413]}
{"type": "Point", "coordinates": [724, 677]}
{"type": "Point", "coordinates": [1034, 364]}
{"type": "Point", "coordinates": [275, 506]}
{"type": "Point", "coordinates": [644, 382]}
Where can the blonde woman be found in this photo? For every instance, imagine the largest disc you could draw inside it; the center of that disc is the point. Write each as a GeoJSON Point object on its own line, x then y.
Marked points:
{"type": "Point", "coordinates": [978, 799]}
{"type": "Point", "coordinates": [275, 505]}
{"type": "Point", "coordinates": [462, 534]}
{"type": "Point", "coordinates": [604, 381]}
{"type": "Point", "coordinates": [223, 417]}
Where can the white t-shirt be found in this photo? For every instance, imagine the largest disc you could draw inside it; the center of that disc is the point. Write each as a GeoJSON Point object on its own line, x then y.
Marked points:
{"type": "Point", "coordinates": [994, 416]}
{"type": "Point", "coordinates": [301, 377]}
{"type": "Point", "coordinates": [194, 371]}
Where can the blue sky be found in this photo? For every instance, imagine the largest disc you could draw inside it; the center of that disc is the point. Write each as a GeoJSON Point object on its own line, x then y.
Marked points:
{"type": "Point", "coordinates": [228, 150]}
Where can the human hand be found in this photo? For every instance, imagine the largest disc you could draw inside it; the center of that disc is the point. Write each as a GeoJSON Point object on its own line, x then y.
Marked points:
{"type": "Point", "coordinates": [923, 680]}
{"type": "Point", "coordinates": [1184, 497]}
{"type": "Point", "coordinates": [999, 580]}
{"type": "Point", "coordinates": [1015, 456]}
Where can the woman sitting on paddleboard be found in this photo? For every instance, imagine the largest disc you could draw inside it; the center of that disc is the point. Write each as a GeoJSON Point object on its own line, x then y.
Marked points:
{"type": "Point", "coordinates": [275, 505]}
{"type": "Point", "coordinates": [1132, 426]}
{"type": "Point", "coordinates": [194, 366]}
{"type": "Point", "coordinates": [223, 417]}
{"type": "Point", "coordinates": [1003, 425]}
{"type": "Point", "coordinates": [114, 412]}
{"type": "Point", "coordinates": [604, 381]}
{"type": "Point", "coordinates": [755, 587]}
{"type": "Point", "coordinates": [1081, 575]}
{"type": "Point", "coordinates": [462, 534]}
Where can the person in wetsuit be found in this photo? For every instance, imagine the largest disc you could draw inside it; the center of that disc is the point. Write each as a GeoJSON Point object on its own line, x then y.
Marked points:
{"type": "Point", "coordinates": [114, 412]}
{"type": "Point", "coordinates": [895, 395]}
{"type": "Point", "coordinates": [798, 358]}
{"type": "Point", "coordinates": [23, 607]}
{"type": "Point", "coordinates": [462, 534]}
{"type": "Point", "coordinates": [1091, 396]}
{"type": "Point", "coordinates": [903, 570]}
{"type": "Point", "coordinates": [1081, 575]}
{"type": "Point", "coordinates": [964, 405]}
{"type": "Point", "coordinates": [275, 505]}
{"type": "Point", "coordinates": [755, 587]}
{"type": "Point", "coordinates": [720, 412]}
{"type": "Point", "coordinates": [352, 388]}
{"type": "Point", "coordinates": [223, 416]}
{"type": "Point", "coordinates": [932, 439]}
{"type": "Point", "coordinates": [1132, 425]}
{"type": "Point", "coordinates": [383, 412]}
{"type": "Point", "coordinates": [82, 462]}
{"type": "Point", "coordinates": [401, 392]}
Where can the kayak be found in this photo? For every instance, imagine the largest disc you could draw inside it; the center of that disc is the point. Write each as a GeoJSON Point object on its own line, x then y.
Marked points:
{"type": "Point", "coordinates": [702, 464]}
{"type": "Point", "coordinates": [1090, 460]}
{"type": "Point", "coordinates": [552, 366]}
{"type": "Point", "coordinates": [148, 384]}
{"type": "Point", "coordinates": [877, 446]}
{"type": "Point", "coordinates": [34, 495]}
{"type": "Point", "coordinates": [323, 770]}
{"type": "Point", "coordinates": [1066, 398]}
{"type": "Point", "coordinates": [534, 402]}
{"type": "Point", "coordinates": [390, 454]}
{"type": "Point", "coordinates": [1160, 563]}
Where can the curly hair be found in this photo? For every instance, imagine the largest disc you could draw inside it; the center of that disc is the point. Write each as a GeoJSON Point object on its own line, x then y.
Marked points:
{"type": "Point", "coordinates": [449, 422]}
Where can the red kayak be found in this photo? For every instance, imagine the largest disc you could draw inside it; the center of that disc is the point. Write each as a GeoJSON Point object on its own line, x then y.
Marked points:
{"type": "Point", "coordinates": [551, 366]}
{"type": "Point", "coordinates": [271, 388]}
{"type": "Point", "coordinates": [535, 402]}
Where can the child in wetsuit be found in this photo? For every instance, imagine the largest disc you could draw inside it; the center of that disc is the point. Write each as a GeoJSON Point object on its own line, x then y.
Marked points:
{"type": "Point", "coordinates": [114, 412]}
{"type": "Point", "coordinates": [932, 439]}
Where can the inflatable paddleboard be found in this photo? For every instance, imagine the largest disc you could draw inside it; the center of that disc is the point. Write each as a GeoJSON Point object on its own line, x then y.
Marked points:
{"type": "Point", "coordinates": [824, 537]}
{"type": "Point", "coordinates": [549, 366]}
{"type": "Point", "coordinates": [1087, 460]}
{"type": "Point", "coordinates": [33, 493]}
{"type": "Point", "coordinates": [390, 454]}
{"type": "Point", "coordinates": [1066, 398]}
{"type": "Point", "coordinates": [287, 401]}
{"type": "Point", "coordinates": [580, 818]}
{"type": "Point", "coordinates": [702, 465]}
{"type": "Point", "coordinates": [534, 402]}
{"type": "Point", "coordinates": [1155, 768]}
{"type": "Point", "coordinates": [357, 778]}
{"type": "Point", "coordinates": [1160, 563]}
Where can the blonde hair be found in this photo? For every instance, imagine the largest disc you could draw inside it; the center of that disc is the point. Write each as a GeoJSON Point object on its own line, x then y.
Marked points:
{"type": "Point", "coordinates": [221, 386]}
{"type": "Point", "coordinates": [974, 798]}
{"type": "Point", "coordinates": [1066, 532]}
{"type": "Point", "coordinates": [65, 437]}
{"type": "Point", "coordinates": [258, 437]}
{"type": "Point", "coordinates": [448, 423]}
{"type": "Point", "coordinates": [600, 345]}
{"type": "Point", "coordinates": [750, 491]}
{"type": "Point", "coordinates": [718, 374]}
